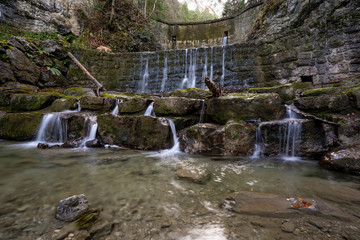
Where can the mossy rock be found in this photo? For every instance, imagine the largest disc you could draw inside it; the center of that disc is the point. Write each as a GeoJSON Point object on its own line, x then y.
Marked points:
{"type": "Point", "coordinates": [239, 137]}
{"type": "Point", "coordinates": [19, 126]}
{"type": "Point", "coordinates": [67, 103]}
{"type": "Point", "coordinates": [97, 104]}
{"type": "Point", "coordinates": [32, 102]}
{"type": "Point", "coordinates": [320, 91]}
{"type": "Point", "coordinates": [77, 91]}
{"type": "Point", "coordinates": [189, 92]}
{"type": "Point", "coordinates": [243, 106]}
{"type": "Point", "coordinates": [184, 122]}
{"type": "Point", "coordinates": [87, 220]}
{"type": "Point", "coordinates": [133, 106]}
{"type": "Point", "coordinates": [328, 103]}
{"type": "Point", "coordinates": [139, 132]}
{"type": "Point", "coordinates": [176, 106]}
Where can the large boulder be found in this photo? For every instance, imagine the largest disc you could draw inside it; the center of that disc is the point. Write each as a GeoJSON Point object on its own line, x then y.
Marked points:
{"type": "Point", "coordinates": [71, 208]}
{"type": "Point", "coordinates": [134, 106]}
{"type": "Point", "coordinates": [19, 126]}
{"type": "Point", "coordinates": [323, 103]}
{"type": "Point", "coordinates": [68, 103]}
{"type": "Point", "coordinates": [24, 70]}
{"type": "Point", "coordinates": [176, 106]}
{"type": "Point", "coordinates": [140, 132]}
{"type": "Point", "coordinates": [235, 138]}
{"type": "Point", "coordinates": [242, 106]}
{"type": "Point", "coordinates": [349, 131]}
{"type": "Point", "coordinates": [48, 79]}
{"type": "Point", "coordinates": [279, 135]}
{"type": "Point", "coordinates": [32, 102]}
{"type": "Point", "coordinates": [344, 159]}
{"type": "Point", "coordinates": [97, 104]}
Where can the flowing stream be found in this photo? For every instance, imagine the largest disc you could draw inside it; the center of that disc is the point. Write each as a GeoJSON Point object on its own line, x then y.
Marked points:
{"type": "Point", "coordinates": [138, 191]}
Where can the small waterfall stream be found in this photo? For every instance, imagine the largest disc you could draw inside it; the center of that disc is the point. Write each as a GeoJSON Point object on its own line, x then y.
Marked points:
{"type": "Point", "coordinates": [259, 144]}
{"type": "Point", "coordinates": [52, 129]}
{"type": "Point", "coordinates": [176, 147]}
{"type": "Point", "coordinates": [91, 131]}
{"type": "Point", "coordinates": [150, 110]}
{"type": "Point", "coordinates": [185, 79]}
{"type": "Point", "coordinates": [145, 77]}
{"type": "Point", "coordinates": [223, 61]}
{"type": "Point", "coordinates": [115, 111]}
{"type": "Point", "coordinates": [165, 74]}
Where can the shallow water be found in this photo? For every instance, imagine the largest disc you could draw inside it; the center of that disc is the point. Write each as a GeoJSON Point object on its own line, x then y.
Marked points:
{"type": "Point", "coordinates": [140, 194]}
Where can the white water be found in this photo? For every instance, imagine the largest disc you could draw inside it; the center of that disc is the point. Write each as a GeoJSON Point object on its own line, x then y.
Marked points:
{"type": "Point", "coordinates": [259, 144]}
{"type": "Point", "coordinates": [52, 129]}
{"type": "Point", "coordinates": [202, 113]}
{"type": "Point", "coordinates": [290, 134]}
{"type": "Point", "coordinates": [185, 79]}
{"type": "Point", "coordinates": [223, 62]}
{"type": "Point", "coordinates": [150, 110]}
{"type": "Point", "coordinates": [212, 65]}
{"type": "Point", "coordinates": [92, 129]}
{"type": "Point", "coordinates": [115, 111]}
{"type": "Point", "coordinates": [165, 74]}
{"type": "Point", "coordinates": [175, 150]}
{"type": "Point", "coordinates": [192, 68]}
{"type": "Point", "coordinates": [205, 71]}
{"type": "Point", "coordinates": [145, 78]}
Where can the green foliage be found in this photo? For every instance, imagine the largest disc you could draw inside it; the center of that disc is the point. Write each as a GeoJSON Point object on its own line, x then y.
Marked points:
{"type": "Point", "coordinates": [4, 57]}
{"type": "Point", "coordinates": [231, 7]}
{"type": "Point", "coordinates": [54, 71]}
{"type": "Point", "coordinates": [9, 29]}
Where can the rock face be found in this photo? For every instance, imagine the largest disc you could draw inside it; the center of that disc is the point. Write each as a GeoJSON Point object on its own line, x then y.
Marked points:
{"type": "Point", "coordinates": [196, 175]}
{"type": "Point", "coordinates": [24, 70]}
{"type": "Point", "coordinates": [62, 104]}
{"type": "Point", "coordinates": [344, 159]}
{"type": "Point", "coordinates": [278, 206]}
{"type": "Point", "coordinates": [140, 132]}
{"type": "Point", "coordinates": [327, 103]}
{"type": "Point", "coordinates": [133, 106]}
{"type": "Point", "coordinates": [176, 106]}
{"type": "Point", "coordinates": [196, 93]}
{"type": "Point", "coordinates": [71, 208]}
{"type": "Point", "coordinates": [235, 138]}
{"type": "Point", "coordinates": [243, 106]}
{"type": "Point", "coordinates": [349, 132]}
{"type": "Point", "coordinates": [6, 73]}
{"type": "Point", "coordinates": [19, 126]}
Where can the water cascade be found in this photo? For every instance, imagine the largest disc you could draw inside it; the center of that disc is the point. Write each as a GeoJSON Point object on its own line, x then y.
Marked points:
{"type": "Point", "coordinates": [185, 80]}
{"type": "Point", "coordinates": [176, 147]}
{"type": "Point", "coordinates": [212, 64]}
{"type": "Point", "coordinates": [150, 110]}
{"type": "Point", "coordinates": [202, 113]}
{"type": "Point", "coordinates": [223, 61]}
{"type": "Point", "coordinates": [92, 126]}
{"type": "Point", "coordinates": [145, 77]}
{"type": "Point", "coordinates": [52, 129]}
{"type": "Point", "coordinates": [205, 71]}
{"type": "Point", "coordinates": [290, 133]}
{"type": "Point", "coordinates": [165, 72]}
{"type": "Point", "coordinates": [192, 68]}
{"type": "Point", "coordinates": [115, 111]}
{"type": "Point", "coordinates": [259, 144]}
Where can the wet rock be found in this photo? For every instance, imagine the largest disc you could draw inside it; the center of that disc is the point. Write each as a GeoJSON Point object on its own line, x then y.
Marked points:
{"type": "Point", "coordinates": [96, 143]}
{"type": "Point", "coordinates": [288, 227]}
{"type": "Point", "coordinates": [184, 122]}
{"type": "Point", "coordinates": [134, 106]}
{"type": "Point", "coordinates": [176, 106]}
{"type": "Point", "coordinates": [195, 93]}
{"type": "Point", "coordinates": [19, 126]}
{"type": "Point", "coordinates": [243, 106]}
{"type": "Point", "coordinates": [72, 143]}
{"type": "Point", "coordinates": [88, 219]}
{"type": "Point", "coordinates": [71, 208]}
{"type": "Point", "coordinates": [24, 70]}
{"type": "Point", "coordinates": [205, 138]}
{"type": "Point", "coordinates": [6, 73]}
{"type": "Point", "coordinates": [76, 91]}
{"type": "Point", "coordinates": [101, 229]}
{"type": "Point", "coordinates": [98, 104]}
{"type": "Point", "coordinates": [47, 146]}
{"type": "Point", "coordinates": [239, 138]}
{"type": "Point", "coordinates": [327, 103]}
{"type": "Point", "coordinates": [68, 103]}
{"type": "Point", "coordinates": [26, 102]}
{"type": "Point", "coordinates": [344, 159]}
{"type": "Point", "coordinates": [77, 125]}
{"type": "Point", "coordinates": [279, 206]}
{"type": "Point", "coordinates": [141, 132]}
{"type": "Point", "coordinates": [349, 132]}
{"type": "Point", "coordinates": [196, 175]}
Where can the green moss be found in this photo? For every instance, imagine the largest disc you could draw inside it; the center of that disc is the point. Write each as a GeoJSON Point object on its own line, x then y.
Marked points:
{"type": "Point", "coordinates": [319, 91]}
{"type": "Point", "coordinates": [19, 126]}
{"type": "Point", "coordinates": [87, 220]}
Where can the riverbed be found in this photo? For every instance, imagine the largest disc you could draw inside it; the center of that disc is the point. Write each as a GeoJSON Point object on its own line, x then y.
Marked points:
{"type": "Point", "coordinates": [139, 194]}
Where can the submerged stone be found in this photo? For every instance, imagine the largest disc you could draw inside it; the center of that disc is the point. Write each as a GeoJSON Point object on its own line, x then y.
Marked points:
{"type": "Point", "coordinates": [196, 175]}
{"type": "Point", "coordinates": [244, 106]}
{"type": "Point", "coordinates": [140, 132]}
{"type": "Point", "coordinates": [72, 207]}
{"type": "Point", "coordinates": [344, 159]}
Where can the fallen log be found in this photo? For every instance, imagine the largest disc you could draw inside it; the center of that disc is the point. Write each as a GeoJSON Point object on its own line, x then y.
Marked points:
{"type": "Point", "coordinates": [99, 86]}
{"type": "Point", "coordinates": [215, 90]}
{"type": "Point", "coordinates": [309, 116]}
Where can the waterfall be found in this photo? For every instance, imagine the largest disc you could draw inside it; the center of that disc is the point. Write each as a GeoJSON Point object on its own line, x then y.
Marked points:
{"type": "Point", "coordinates": [91, 130]}
{"type": "Point", "coordinates": [145, 77]}
{"type": "Point", "coordinates": [165, 70]}
{"type": "Point", "coordinates": [204, 74]}
{"type": "Point", "coordinates": [150, 110]}
{"type": "Point", "coordinates": [52, 129]}
{"type": "Point", "coordinates": [176, 147]}
{"type": "Point", "coordinates": [185, 79]}
{"type": "Point", "coordinates": [223, 61]}
{"type": "Point", "coordinates": [192, 68]}
{"type": "Point", "coordinates": [290, 134]}
{"type": "Point", "coordinates": [115, 111]}
{"type": "Point", "coordinates": [259, 144]}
